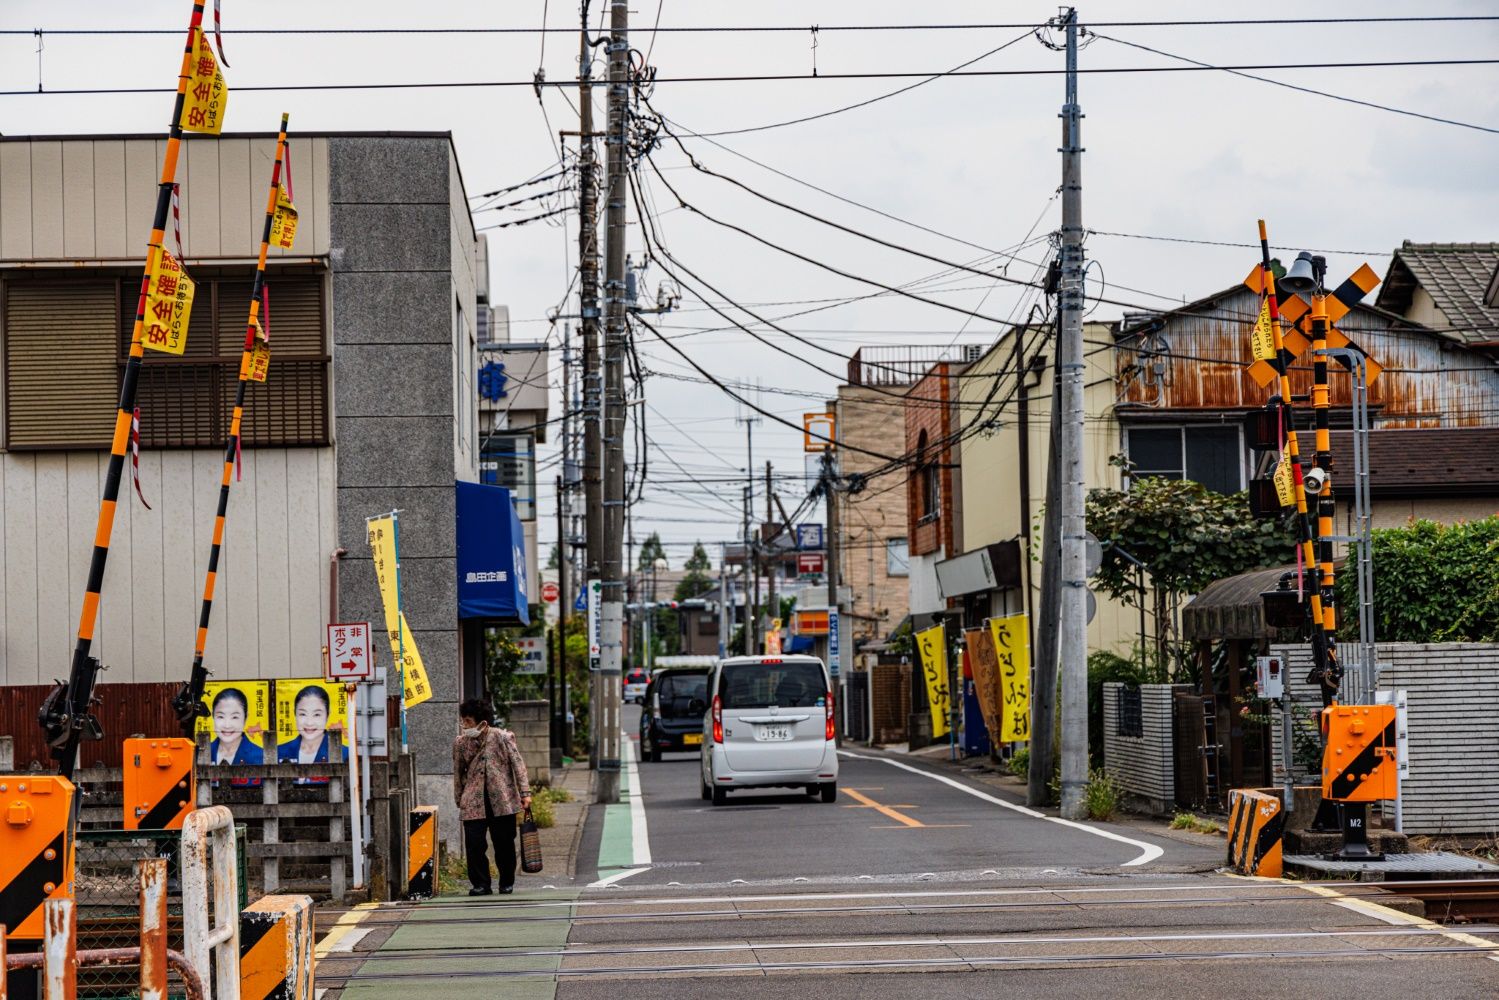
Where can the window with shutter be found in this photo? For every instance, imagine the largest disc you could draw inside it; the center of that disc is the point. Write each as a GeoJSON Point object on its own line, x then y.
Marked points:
{"type": "Point", "coordinates": [66, 343]}
{"type": "Point", "coordinates": [60, 384]}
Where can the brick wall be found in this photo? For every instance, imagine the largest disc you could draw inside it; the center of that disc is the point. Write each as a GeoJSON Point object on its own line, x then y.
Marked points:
{"type": "Point", "coordinates": [876, 514]}
{"type": "Point", "coordinates": [892, 701]}
{"type": "Point", "coordinates": [928, 410]}
{"type": "Point", "coordinates": [528, 721]}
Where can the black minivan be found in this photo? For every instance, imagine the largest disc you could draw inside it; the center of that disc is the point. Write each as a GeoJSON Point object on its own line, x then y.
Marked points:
{"type": "Point", "coordinates": [671, 719]}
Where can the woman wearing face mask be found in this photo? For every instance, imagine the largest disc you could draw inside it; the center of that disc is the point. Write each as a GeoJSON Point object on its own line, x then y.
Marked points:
{"type": "Point", "coordinates": [310, 746]}
{"type": "Point", "coordinates": [490, 786]}
{"type": "Point", "coordinates": [230, 711]}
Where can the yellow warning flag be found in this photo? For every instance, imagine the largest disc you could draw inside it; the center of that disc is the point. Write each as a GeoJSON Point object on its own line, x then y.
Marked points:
{"type": "Point", "coordinates": [1263, 337]}
{"type": "Point", "coordinates": [207, 97]}
{"type": "Point", "coordinates": [1285, 484]}
{"type": "Point", "coordinates": [1012, 648]}
{"type": "Point", "coordinates": [169, 305]}
{"type": "Point", "coordinates": [260, 355]}
{"type": "Point", "coordinates": [403, 652]}
{"type": "Point", "coordinates": [284, 220]}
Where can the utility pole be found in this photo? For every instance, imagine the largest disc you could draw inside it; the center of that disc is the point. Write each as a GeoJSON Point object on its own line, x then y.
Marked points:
{"type": "Point", "coordinates": [751, 549]}
{"type": "Point", "coordinates": [559, 669]}
{"type": "Point", "coordinates": [611, 620]}
{"type": "Point", "coordinates": [772, 610]}
{"type": "Point", "coordinates": [1044, 687]}
{"type": "Point", "coordinates": [723, 602]}
{"type": "Point", "coordinates": [588, 312]}
{"type": "Point", "coordinates": [1073, 631]}
{"type": "Point", "coordinates": [833, 544]}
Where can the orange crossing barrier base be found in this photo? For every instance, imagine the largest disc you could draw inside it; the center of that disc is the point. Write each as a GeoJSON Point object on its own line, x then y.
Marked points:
{"type": "Point", "coordinates": [1256, 823]}
{"type": "Point", "coordinates": [421, 854]}
{"type": "Point", "coordinates": [160, 784]}
{"type": "Point", "coordinates": [275, 949]}
{"type": "Point", "coordinates": [36, 849]}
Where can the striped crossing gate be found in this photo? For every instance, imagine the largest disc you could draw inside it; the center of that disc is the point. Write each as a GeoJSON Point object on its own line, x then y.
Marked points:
{"type": "Point", "coordinates": [1256, 821]}
{"type": "Point", "coordinates": [421, 854]}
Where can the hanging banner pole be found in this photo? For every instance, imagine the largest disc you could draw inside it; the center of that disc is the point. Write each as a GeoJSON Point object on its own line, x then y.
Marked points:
{"type": "Point", "coordinates": [65, 725]}
{"type": "Point", "coordinates": [188, 704]}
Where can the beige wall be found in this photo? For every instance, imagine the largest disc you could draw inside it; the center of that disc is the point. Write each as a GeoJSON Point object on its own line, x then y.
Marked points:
{"type": "Point", "coordinates": [272, 595]}
{"type": "Point", "coordinates": [465, 253]}
{"type": "Point", "coordinates": [991, 486]}
{"type": "Point", "coordinates": [872, 418]}
{"type": "Point", "coordinates": [94, 199]}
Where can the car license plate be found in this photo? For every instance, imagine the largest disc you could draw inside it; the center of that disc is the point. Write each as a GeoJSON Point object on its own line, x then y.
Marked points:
{"type": "Point", "coordinates": [772, 734]}
{"type": "Point", "coordinates": [692, 739]}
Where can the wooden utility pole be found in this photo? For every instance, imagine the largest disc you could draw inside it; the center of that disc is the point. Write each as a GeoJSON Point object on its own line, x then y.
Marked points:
{"type": "Point", "coordinates": [1073, 631]}
{"type": "Point", "coordinates": [611, 554]}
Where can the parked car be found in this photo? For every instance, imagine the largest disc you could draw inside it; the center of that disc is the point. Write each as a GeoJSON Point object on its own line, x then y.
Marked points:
{"type": "Point", "coordinates": [672, 719]}
{"type": "Point", "coordinates": [771, 725]}
{"type": "Point", "coordinates": [636, 680]}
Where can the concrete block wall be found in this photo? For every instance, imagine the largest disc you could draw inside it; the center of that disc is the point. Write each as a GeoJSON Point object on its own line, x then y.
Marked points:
{"type": "Point", "coordinates": [1144, 765]}
{"type": "Point", "coordinates": [528, 721]}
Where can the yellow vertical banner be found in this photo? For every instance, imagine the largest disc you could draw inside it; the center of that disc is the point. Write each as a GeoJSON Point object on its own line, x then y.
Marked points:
{"type": "Point", "coordinates": [169, 305]}
{"type": "Point", "coordinates": [1285, 482]}
{"type": "Point", "coordinates": [260, 355]}
{"type": "Point", "coordinates": [207, 97]}
{"type": "Point", "coordinates": [931, 645]}
{"type": "Point", "coordinates": [1263, 337]}
{"type": "Point", "coordinates": [1012, 649]}
{"type": "Point", "coordinates": [283, 220]}
{"type": "Point", "coordinates": [382, 538]}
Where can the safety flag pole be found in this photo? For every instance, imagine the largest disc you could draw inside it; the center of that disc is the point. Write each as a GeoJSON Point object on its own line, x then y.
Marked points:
{"type": "Point", "coordinates": [65, 715]}
{"type": "Point", "coordinates": [255, 355]}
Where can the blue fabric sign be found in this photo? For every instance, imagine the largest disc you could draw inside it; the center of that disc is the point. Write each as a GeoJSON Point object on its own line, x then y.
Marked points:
{"type": "Point", "coordinates": [491, 556]}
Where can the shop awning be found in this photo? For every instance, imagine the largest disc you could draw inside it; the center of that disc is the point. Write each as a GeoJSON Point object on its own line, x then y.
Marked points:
{"type": "Point", "coordinates": [491, 556]}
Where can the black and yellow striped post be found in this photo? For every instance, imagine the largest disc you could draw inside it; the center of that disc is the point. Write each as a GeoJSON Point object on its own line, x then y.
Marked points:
{"type": "Point", "coordinates": [36, 849]}
{"type": "Point", "coordinates": [421, 854]}
{"type": "Point", "coordinates": [1325, 640]}
{"type": "Point", "coordinates": [188, 703]}
{"type": "Point", "coordinates": [65, 752]}
{"type": "Point", "coordinates": [160, 785]}
{"type": "Point", "coordinates": [1256, 824]}
{"type": "Point", "coordinates": [276, 949]}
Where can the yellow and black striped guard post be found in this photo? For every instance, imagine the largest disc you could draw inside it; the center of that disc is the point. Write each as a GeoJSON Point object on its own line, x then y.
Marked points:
{"type": "Point", "coordinates": [36, 849]}
{"type": "Point", "coordinates": [160, 785]}
{"type": "Point", "coordinates": [421, 854]}
{"type": "Point", "coordinates": [1358, 764]}
{"type": "Point", "coordinates": [1256, 822]}
{"type": "Point", "coordinates": [275, 949]}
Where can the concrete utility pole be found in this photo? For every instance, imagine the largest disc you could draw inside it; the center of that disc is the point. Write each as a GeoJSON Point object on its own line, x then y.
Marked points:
{"type": "Point", "coordinates": [751, 549]}
{"type": "Point", "coordinates": [724, 608]}
{"type": "Point", "coordinates": [611, 620]}
{"type": "Point", "coordinates": [1073, 633]}
{"type": "Point", "coordinates": [772, 610]}
{"type": "Point", "coordinates": [1044, 684]}
{"type": "Point", "coordinates": [588, 311]}
{"type": "Point", "coordinates": [555, 689]}
{"type": "Point", "coordinates": [832, 545]}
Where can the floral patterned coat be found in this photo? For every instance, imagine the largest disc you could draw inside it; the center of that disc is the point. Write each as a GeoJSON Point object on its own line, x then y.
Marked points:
{"type": "Point", "coordinates": [489, 758]}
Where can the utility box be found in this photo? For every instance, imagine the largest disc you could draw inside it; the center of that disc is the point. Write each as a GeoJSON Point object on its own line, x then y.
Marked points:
{"type": "Point", "coordinates": [36, 849]}
{"type": "Point", "coordinates": [1359, 762]}
{"type": "Point", "coordinates": [160, 785]}
{"type": "Point", "coordinates": [1270, 677]}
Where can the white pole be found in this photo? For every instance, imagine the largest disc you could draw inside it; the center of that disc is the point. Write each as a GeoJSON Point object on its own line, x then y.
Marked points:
{"type": "Point", "coordinates": [356, 797]}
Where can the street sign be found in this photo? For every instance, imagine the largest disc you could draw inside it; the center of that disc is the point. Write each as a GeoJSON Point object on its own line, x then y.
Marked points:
{"type": "Point", "coordinates": [834, 643]}
{"type": "Point", "coordinates": [818, 431]}
{"type": "Point", "coordinates": [810, 563]}
{"type": "Point", "coordinates": [809, 536]}
{"type": "Point", "coordinates": [595, 600]}
{"type": "Point", "coordinates": [580, 603]}
{"type": "Point", "coordinates": [814, 622]}
{"type": "Point", "coordinates": [350, 656]}
{"type": "Point", "coordinates": [549, 592]}
{"type": "Point", "coordinates": [1297, 311]}
{"type": "Point", "coordinates": [534, 658]}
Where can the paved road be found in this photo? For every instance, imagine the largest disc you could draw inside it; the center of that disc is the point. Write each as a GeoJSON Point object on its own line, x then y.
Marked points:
{"type": "Point", "coordinates": [911, 872]}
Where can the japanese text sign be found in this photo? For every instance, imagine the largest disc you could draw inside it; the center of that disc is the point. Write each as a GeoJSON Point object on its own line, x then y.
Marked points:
{"type": "Point", "coordinates": [207, 97]}
{"type": "Point", "coordinates": [350, 656]}
{"type": "Point", "coordinates": [931, 644]}
{"type": "Point", "coordinates": [403, 651]}
{"type": "Point", "coordinates": [169, 305]}
{"type": "Point", "coordinates": [1012, 651]}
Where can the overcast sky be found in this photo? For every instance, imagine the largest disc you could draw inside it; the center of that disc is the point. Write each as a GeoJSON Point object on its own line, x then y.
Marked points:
{"type": "Point", "coordinates": [1194, 156]}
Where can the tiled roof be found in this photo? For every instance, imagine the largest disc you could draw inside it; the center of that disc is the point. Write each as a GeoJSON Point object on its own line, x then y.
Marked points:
{"type": "Point", "coordinates": [1422, 462]}
{"type": "Point", "coordinates": [1455, 275]}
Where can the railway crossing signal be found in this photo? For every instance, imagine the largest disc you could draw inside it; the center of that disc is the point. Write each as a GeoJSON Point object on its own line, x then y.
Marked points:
{"type": "Point", "coordinates": [1296, 311]}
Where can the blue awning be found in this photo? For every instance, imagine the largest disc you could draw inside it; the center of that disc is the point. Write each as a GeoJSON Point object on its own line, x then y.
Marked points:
{"type": "Point", "coordinates": [491, 556]}
{"type": "Point", "coordinates": [798, 644]}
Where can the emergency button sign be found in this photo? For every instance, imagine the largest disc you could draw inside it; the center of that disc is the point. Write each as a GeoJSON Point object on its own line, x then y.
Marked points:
{"type": "Point", "coordinates": [350, 656]}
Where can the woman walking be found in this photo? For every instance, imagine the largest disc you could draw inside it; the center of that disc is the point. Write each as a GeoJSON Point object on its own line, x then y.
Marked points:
{"type": "Point", "coordinates": [490, 787]}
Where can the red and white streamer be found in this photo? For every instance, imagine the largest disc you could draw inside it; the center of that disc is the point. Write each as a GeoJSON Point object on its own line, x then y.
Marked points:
{"type": "Point", "coordinates": [135, 454]}
{"type": "Point", "coordinates": [218, 41]}
{"type": "Point", "coordinates": [177, 217]}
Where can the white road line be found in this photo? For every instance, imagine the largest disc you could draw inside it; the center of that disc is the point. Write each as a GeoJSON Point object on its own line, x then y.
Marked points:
{"type": "Point", "coordinates": [1390, 916]}
{"type": "Point", "coordinates": [1148, 852]}
{"type": "Point", "coordinates": [640, 843]}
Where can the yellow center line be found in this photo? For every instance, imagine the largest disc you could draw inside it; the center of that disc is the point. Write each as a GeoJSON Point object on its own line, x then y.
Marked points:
{"type": "Point", "coordinates": [343, 927]}
{"type": "Point", "coordinates": [899, 817]}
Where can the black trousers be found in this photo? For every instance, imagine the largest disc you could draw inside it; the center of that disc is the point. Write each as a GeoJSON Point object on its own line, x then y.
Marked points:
{"type": "Point", "coordinates": [501, 830]}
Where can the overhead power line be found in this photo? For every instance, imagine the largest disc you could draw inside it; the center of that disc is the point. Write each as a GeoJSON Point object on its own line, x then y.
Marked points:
{"type": "Point", "coordinates": [771, 28]}
{"type": "Point", "coordinates": [771, 77]}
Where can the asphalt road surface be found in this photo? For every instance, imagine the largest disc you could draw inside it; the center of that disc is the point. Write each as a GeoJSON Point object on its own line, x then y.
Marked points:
{"type": "Point", "coordinates": [915, 883]}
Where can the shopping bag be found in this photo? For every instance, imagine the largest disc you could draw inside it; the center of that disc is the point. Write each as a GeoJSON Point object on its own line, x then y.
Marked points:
{"type": "Point", "coordinates": [530, 845]}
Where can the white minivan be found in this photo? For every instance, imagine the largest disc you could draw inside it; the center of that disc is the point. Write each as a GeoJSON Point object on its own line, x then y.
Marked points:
{"type": "Point", "coordinates": [769, 725]}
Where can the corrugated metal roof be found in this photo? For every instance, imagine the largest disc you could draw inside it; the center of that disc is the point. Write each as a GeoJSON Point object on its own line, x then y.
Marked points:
{"type": "Point", "coordinates": [1456, 276]}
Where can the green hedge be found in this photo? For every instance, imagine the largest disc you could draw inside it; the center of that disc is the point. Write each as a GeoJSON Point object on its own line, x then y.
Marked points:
{"type": "Point", "coordinates": [1432, 583]}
